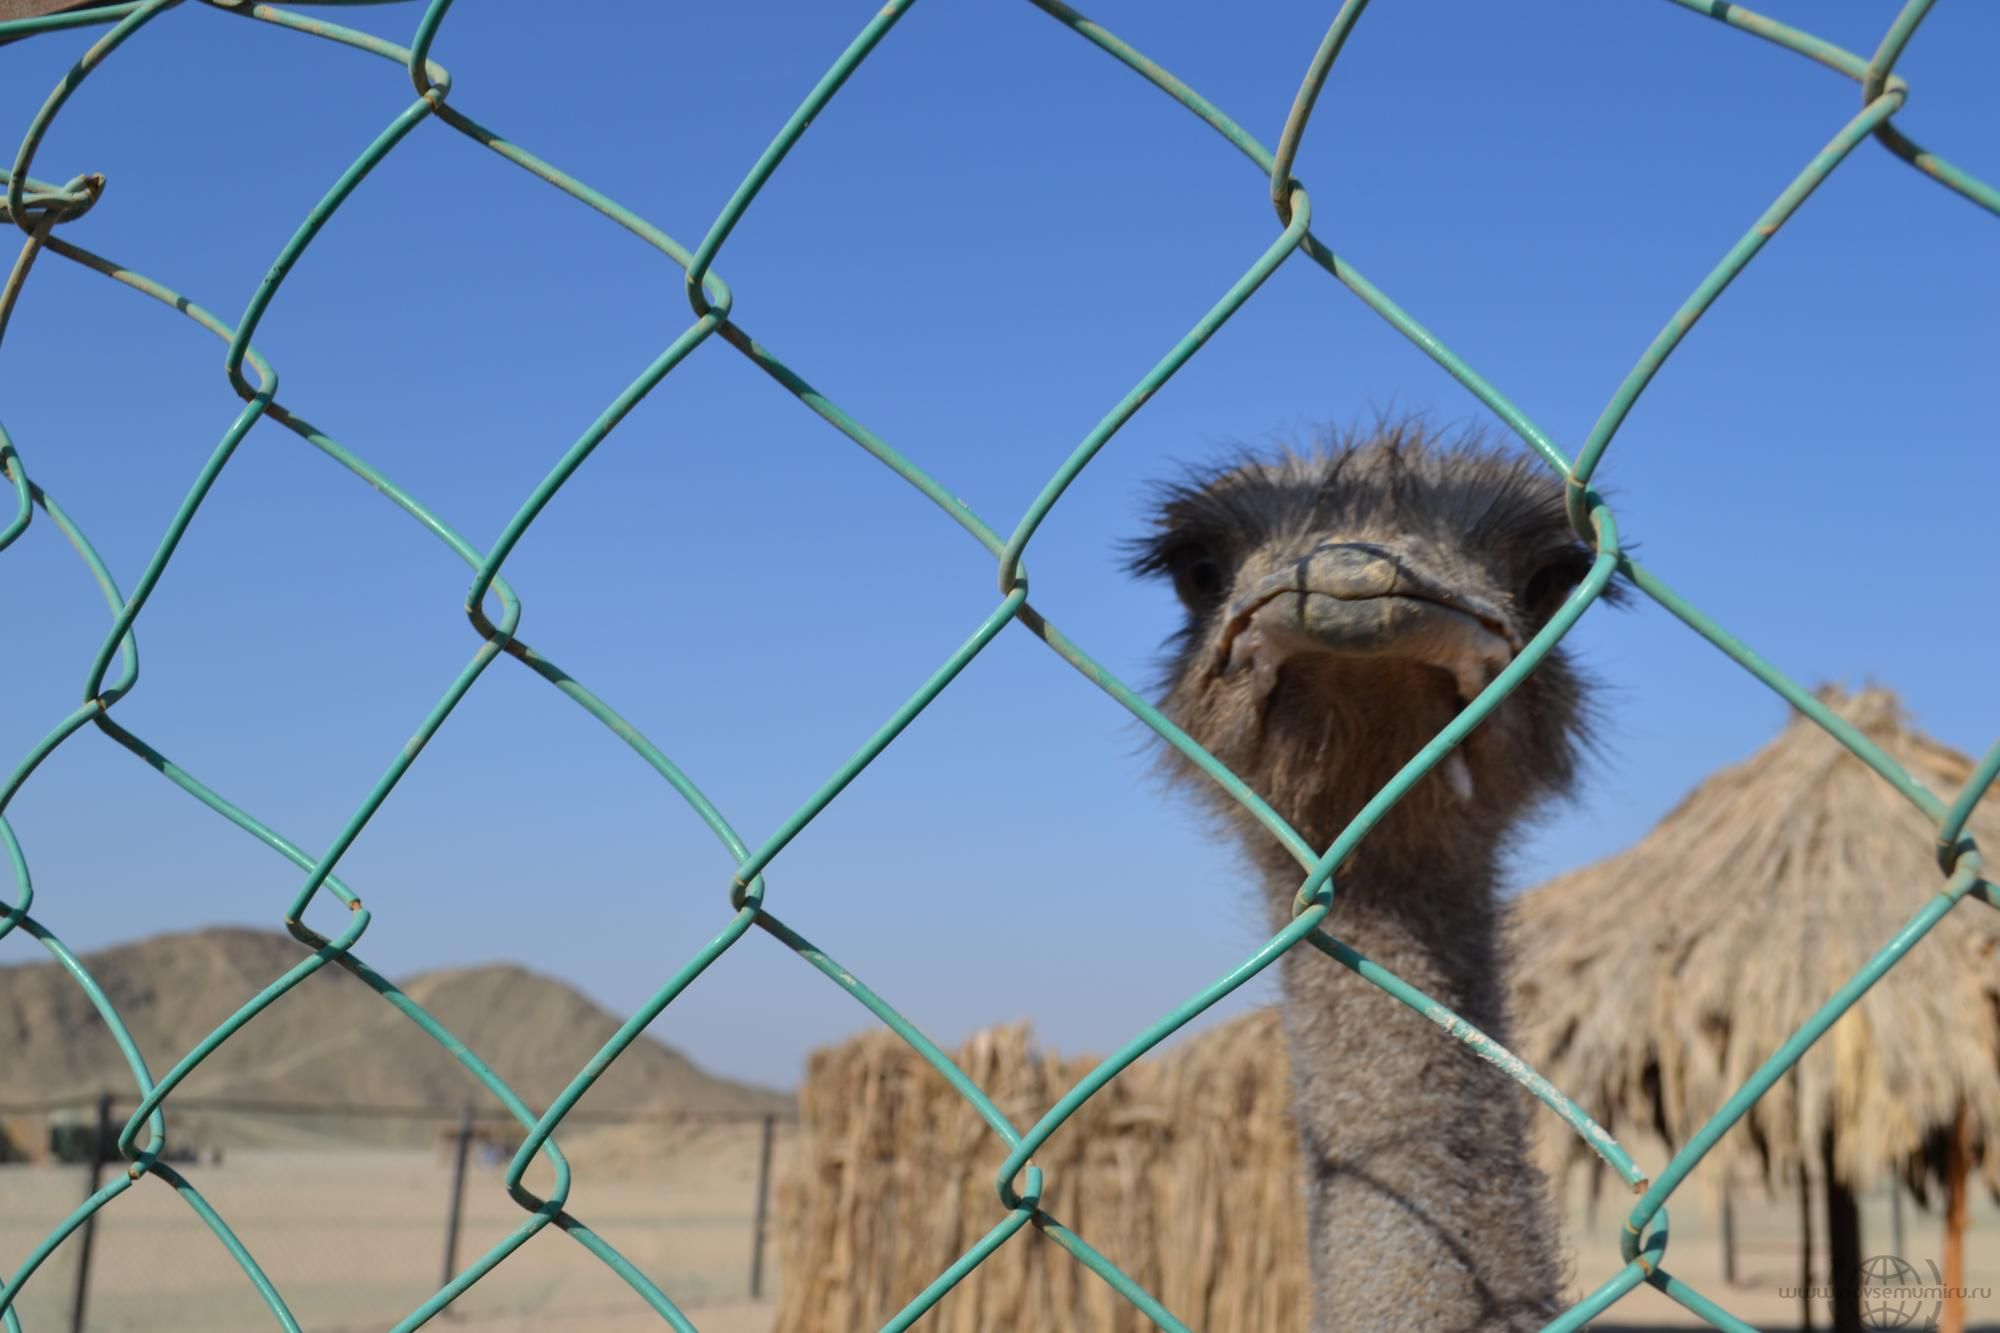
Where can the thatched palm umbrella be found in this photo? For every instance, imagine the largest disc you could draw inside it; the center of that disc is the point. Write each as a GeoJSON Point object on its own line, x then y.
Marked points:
{"type": "Point", "coordinates": [1654, 983]}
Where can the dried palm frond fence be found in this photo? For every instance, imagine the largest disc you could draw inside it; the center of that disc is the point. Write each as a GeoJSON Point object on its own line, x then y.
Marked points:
{"type": "Point", "coordinates": [42, 208]}
{"type": "Point", "coordinates": [1186, 1168]}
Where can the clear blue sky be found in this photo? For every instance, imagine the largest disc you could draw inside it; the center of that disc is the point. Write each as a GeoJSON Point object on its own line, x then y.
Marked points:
{"type": "Point", "coordinates": [988, 237]}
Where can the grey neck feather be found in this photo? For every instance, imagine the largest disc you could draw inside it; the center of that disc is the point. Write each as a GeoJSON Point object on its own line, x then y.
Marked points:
{"type": "Point", "coordinates": [1424, 1209]}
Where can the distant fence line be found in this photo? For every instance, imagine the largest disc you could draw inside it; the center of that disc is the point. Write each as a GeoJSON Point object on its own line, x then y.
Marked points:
{"type": "Point", "coordinates": [441, 1112]}
{"type": "Point", "coordinates": [38, 207]}
{"type": "Point", "coordinates": [92, 1143]}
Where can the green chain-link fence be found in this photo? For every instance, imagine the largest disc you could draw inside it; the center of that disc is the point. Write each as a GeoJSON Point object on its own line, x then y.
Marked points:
{"type": "Point", "coordinates": [38, 208]}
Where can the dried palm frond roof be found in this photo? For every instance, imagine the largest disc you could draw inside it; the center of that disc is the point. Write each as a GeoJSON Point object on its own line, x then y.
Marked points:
{"type": "Point", "coordinates": [1652, 984]}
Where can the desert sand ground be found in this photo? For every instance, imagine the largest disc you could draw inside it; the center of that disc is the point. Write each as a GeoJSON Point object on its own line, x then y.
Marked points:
{"type": "Point", "coordinates": [354, 1241]}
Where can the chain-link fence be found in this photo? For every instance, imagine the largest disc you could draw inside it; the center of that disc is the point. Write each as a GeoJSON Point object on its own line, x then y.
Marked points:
{"type": "Point", "coordinates": [39, 209]}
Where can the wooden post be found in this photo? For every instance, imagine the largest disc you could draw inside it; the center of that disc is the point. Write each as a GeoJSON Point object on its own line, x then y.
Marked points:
{"type": "Point", "coordinates": [757, 1227]}
{"type": "Point", "coordinates": [460, 1148]}
{"type": "Point", "coordinates": [1896, 1232]}
{"type": "Point", "coordinates": [1728, 1237]}
{"type": "Point", "coordinates": [1843, 1245]}
{"type": "Point", "coordinates": [1805, 1248]}
{"type": "Point", "coordinates": [1958, 1166]}
{"type": "Point", "coordinates": [100, 1148]}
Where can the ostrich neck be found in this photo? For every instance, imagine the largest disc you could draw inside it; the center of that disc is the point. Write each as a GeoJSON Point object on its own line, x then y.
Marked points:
{"type": "Point", "coordinates": [1424, 1209]}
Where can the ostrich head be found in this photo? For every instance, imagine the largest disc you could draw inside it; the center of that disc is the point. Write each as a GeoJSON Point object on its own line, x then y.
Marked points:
{"type": "Point", "coordinates": [1341, 607]}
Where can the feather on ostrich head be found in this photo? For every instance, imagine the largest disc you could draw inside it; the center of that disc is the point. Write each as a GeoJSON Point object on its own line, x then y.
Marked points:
{"type": "Point", "coordinates": [1341, 606]}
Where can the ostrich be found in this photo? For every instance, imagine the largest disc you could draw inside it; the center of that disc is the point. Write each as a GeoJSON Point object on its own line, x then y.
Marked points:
{"type": "Point", "coordinates": [1341, 608]}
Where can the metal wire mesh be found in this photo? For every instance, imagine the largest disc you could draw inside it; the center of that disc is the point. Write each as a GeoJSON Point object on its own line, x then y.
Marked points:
{"type": "Point", "coordinates": [38, 209]}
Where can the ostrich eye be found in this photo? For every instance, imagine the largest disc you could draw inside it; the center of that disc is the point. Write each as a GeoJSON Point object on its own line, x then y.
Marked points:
{"type": "Point", "coordinates": [1198, 579]}
{"type": "Point", "coordinates": [1554, 581]}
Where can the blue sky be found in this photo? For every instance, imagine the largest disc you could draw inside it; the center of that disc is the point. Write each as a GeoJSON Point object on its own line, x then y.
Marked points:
{"type": "Point", "coordinates": [985, 241]}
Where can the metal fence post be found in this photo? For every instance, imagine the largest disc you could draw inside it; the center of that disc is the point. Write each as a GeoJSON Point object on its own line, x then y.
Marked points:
{"type": "Point", "coordinates": [461, 1146]}
{"type": "Point", "coordinates": [763, 1206]}
{"type": "Point", "coordinates": [100, 1144]}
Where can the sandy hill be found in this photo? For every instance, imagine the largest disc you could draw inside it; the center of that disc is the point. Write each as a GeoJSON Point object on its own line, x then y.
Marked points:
{"type": "Point", "coordinates": [331, 1039]}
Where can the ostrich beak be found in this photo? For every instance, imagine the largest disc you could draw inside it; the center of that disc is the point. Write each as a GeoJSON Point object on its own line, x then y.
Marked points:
{"type": "Point", "coordinates": [1366, 599]}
